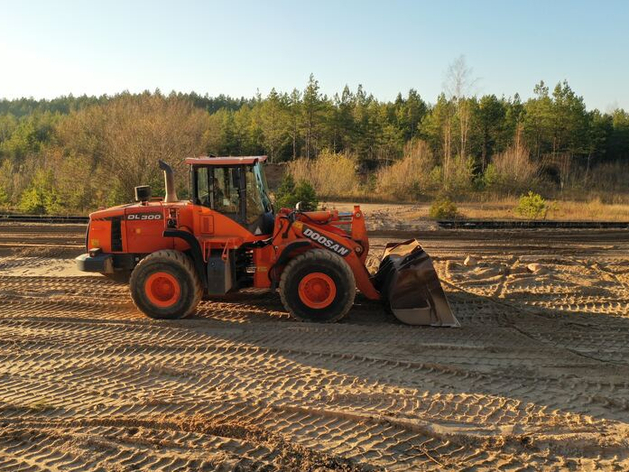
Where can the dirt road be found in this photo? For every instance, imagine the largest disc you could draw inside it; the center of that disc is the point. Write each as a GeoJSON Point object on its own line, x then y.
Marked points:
{"type": "Point", "coordinates": [537, 377]}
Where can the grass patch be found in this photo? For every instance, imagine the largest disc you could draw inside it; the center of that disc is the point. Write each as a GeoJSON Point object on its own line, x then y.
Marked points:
{"type": "Point", "coordinates": [561, 210]}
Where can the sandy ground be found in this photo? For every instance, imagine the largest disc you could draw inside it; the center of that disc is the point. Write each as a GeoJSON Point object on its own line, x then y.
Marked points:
{"type": "Point", "coordinates": [536, 378]}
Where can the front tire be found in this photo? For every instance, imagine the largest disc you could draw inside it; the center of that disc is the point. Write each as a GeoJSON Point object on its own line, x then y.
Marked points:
{"type": "Point", "coordinates": [317, 286]}
{"type": "Point", "coordinates": [165, 285]}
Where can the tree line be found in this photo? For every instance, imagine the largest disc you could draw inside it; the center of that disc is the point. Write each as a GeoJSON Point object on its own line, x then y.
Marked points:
{"type": "Point", "coordinates": [76, 153]}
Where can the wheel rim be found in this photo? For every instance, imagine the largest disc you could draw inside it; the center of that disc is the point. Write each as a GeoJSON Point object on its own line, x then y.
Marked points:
{"type": "Point", "coordinates": [317, 290]}
{"type": "Point", "coordinates": [162, 289]}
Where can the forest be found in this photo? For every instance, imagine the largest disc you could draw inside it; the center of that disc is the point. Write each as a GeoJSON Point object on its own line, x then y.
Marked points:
{"type": "Point", "coordinates": [73, 154]}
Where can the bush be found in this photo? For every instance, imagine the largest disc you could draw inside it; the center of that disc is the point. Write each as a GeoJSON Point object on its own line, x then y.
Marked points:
{"type": "Point", "coordinates": [284, 196]}
{"type": "Point", "coordinates": [115, 194]}
{"type": "Point", "coordinates": [4, 201]}
{"type": "Point", "coordinates": [331, 174]}
{"type": "Point", "coordinates": [460, 175]}
{"type": "Point", "coordinates": [532, 206]}
{"type": "Point", "coordinates": [4, 197]}
{"type": "Point", "coordinates": [409, 177]}
{"type": "Point", "coordinates": [41, 196]}
{"type": "Point", "coordinates": [491, 177]}
{"type": "Point", "coordinates": [6, 183]}
{"type": "Point", "coordinates": [443, 209]}
{"type": "Point", "coordinates": [511, 171]}
{"type": "Point", "coordinates": [610, 176]}
{"type": "Point", "coordinates": [289, 194]}
{"type": "Point", "coordinates": [436, 176]}
{"type": "Point", "coordinates": [305, 193]}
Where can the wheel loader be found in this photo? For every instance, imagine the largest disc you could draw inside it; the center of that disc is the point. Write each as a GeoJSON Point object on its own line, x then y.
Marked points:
{"type": "Point", "coordinates": [228, 237]}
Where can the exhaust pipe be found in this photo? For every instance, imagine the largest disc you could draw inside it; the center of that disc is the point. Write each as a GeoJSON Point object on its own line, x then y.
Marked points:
{"type": "Point", "coordinates": [169, 183]}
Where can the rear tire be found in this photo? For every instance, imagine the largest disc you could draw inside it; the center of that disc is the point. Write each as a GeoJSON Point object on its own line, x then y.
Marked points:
{"type": "Point", "coordinates": [317, 286]}
{"type": "Point", "coordinates": [165, 285]}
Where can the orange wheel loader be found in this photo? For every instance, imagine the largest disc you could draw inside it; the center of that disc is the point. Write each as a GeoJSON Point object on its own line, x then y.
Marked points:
{"type": "Point", "coordinates": [228, 237]}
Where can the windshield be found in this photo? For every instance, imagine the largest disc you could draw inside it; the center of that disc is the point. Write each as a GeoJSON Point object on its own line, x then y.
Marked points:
{"type": "Point", "coordinates": [255, 203]}
{"type": "Point", "coordinates": [263, 187]}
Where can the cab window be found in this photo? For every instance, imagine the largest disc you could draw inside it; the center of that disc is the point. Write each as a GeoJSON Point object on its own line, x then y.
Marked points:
{"type": "Point", "coordinates": [218, 189]}
{"type": "Point", "coordinates": [237, 192]}
{"type": "Point", "coordinates": [203, 187]}
{"type": "Point", "coordinates": [226, 195]}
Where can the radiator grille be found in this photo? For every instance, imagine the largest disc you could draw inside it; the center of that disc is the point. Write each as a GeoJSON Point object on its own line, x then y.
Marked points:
{"type": "Point", "coordinates": [116, 234]}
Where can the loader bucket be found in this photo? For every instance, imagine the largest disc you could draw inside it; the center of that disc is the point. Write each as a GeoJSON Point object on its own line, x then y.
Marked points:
{"type": "Point", "coordinates": [408, 281]}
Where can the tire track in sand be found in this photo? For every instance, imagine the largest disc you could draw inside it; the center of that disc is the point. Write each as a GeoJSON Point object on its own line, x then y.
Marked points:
{"type": "Point", "coordinates": [86, 382]}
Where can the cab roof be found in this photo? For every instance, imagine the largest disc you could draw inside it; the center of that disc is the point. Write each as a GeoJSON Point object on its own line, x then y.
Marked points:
{"type": "Point", "coordinates": [224, 160]}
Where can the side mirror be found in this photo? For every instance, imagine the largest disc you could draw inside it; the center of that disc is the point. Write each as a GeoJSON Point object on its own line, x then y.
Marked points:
{"type": "Point", "coordinates": [299, 206]}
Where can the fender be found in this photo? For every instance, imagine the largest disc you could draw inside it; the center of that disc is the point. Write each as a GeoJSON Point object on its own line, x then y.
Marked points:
{"type": "Point", "coordinates": [289, 249]}
{"type": "Point", "coordinates": [285, 257]}
{"type": "Point", "coordinates": [195, 251]}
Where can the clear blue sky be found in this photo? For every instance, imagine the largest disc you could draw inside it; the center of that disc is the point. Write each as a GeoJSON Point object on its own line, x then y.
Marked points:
{"type": "Point", "coordinates": [51, 48]}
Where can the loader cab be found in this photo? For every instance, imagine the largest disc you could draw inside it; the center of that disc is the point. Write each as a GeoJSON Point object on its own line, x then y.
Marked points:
{"type": "Point", "coordinates": [235, 187]}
